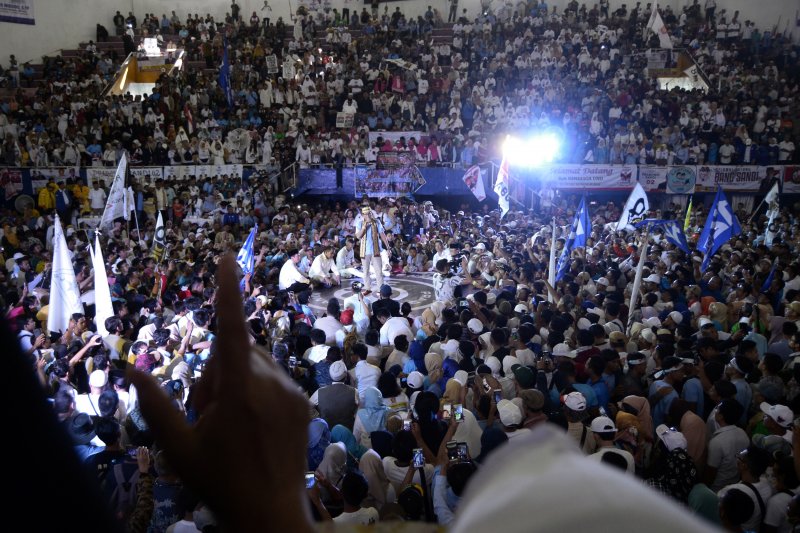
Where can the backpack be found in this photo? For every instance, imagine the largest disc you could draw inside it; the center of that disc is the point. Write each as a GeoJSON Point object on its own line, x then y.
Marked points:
{"type": "Point", "coordinates": [123, 493]}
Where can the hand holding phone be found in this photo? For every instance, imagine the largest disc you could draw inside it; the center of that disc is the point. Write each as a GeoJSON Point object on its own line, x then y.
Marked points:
{"type": "Point", "coordinates": [498, 395]}
{"type": "Point", "coordinates": [407, 424]}
{"type": "Point", "coordinates": [310, 479]}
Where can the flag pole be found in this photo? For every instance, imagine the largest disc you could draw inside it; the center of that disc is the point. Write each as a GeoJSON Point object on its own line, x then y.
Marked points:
{"type": "Point", "coordinates": [637, 281]}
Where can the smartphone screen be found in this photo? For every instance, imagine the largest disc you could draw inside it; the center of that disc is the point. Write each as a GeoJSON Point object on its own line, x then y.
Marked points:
{"type": "Point", "coordinates": [458, 412]}
{"type": "Point", "coordinates": [498, 395]}
{"type": "Point", "coordinates": [407, 425]}
{"type": "Point", "coordinates": [310, 480]}
{"type": "Point", "coordinates": [486, 386]}
{"type": "Point", "coordinates": [292, 361]}
{"type": "Point", "coordinates": [447, 409]}
{"type": "Point", "coordinates": [452, 451]}
{"type": "Point", "coordinates": [131, 451]}
{"type": "Point", "coordinates": [463, 454]}
{"type": "Point", "coordinates": [419, 458]}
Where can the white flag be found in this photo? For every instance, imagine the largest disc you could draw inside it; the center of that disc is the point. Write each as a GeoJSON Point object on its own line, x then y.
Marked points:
{"type": "Point", "coordinates": [65, 297]}
{"type": "Point", "coordinates": [501, 188]}
{"type": "Point", "coordinates": [635, 209]}
{"type": "Point", "coordinates": [103, 308]}
{"type": "Point", "coordinates": [656, 25]}
{"type": "Point", "coordinates": [473, 179]}
{"type": "Point", "coordinates": [772, 195]}
{"type": "Point", "coordinates": [637, 281]}
{"type": "Point", "coordinates": [129, 203]}
{"type": "Point", "coordinates": [551, 266]}
{"type": "Point", "coordinates": [115, 203]}
{"type": "Point", "coordinates": [159, 240]}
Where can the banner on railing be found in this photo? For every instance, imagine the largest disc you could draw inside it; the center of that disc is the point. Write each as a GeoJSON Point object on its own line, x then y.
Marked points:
{"type": "Point", "coordinates": [17, 11]}
{"type": "Point", "coordinates": [395, 174]}
{"type": "Point", "coordinates": [40, 176]}
{"type": "Point", "coordinates": [394, 136]}
{"type": "Point", "coordinates": [184, 172]}
{"type": "Point", "coordinates": [138, 175]}
{"type": "Point", "coordinates": [791, 179]}
{"type": "Point", "coordinates": [607, 177]}
{"type": "Point", "coordinates": [11, 181]}
{"type": "Point", "coordinates": [671, 180]}
{"type": "Point", "coordinates": [733, 177]}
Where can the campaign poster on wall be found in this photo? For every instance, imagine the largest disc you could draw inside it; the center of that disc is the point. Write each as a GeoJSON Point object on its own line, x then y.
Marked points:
{"type": "Point", "coordinates": [585, 177]}
{"type": "Point", "coordinates": [11, 181]}
{"type": "Point", "coordinates": [143, 175]}
{"type": "Point", "coordinates": [395, 174]}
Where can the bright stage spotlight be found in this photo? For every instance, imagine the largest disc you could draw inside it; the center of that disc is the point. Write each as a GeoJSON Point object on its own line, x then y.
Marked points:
{"type": "Point", "coordinates": [532, 152]}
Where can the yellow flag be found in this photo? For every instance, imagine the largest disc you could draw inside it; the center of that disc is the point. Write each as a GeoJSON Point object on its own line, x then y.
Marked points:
{"type": "Point", "coordinates": [688, 213]}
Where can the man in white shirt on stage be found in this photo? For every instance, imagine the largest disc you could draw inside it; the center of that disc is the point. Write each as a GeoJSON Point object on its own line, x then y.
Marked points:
{"type": "Point", "coordinates": [323, 270]}
{"type": "Point", "coordinates": [290, 279]}
{"type": "Point", "coordinates": [346, 260]}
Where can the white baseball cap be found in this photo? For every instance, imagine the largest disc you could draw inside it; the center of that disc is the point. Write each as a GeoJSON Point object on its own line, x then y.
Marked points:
{"type": "Point", "coordinates": [575, 401]}
{"type": "Point", "coordinates": [780, 414]}
{"type": "Point", "coordinates": [671, 437]}
{"type": "Point", "coordinates": [603, 424]}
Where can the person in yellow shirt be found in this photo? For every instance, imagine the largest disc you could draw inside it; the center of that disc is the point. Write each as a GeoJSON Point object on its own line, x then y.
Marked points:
{"type": "Point", "coordinates": [80, 192]}
{"type": "Point", "coordinates": [47, 196]}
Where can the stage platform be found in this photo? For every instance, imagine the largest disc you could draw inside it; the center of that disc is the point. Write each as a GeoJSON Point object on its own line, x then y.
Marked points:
{"type": "Point", "coordinates": [417, 289]}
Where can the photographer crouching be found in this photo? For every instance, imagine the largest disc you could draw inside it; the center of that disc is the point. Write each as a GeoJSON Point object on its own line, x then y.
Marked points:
{"type": "Point", "coordinates": [447, 280]}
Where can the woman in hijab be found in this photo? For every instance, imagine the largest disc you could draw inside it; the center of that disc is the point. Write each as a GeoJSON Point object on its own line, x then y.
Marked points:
{"type": "Point", "coordinates": [431, 428]}
{"type": "Point", "coordinates": [371, 417]}
{"type": "Point", "coordinates": [638, 407]}
{"type": "Point", "coordinates": [319, 437]}
{"type": "Point", "coordinates": [433, 364]}
{"type": "Point", "coordinates": [380, 491]}
{"type": "Point", "coordinates": [345, 436]}
{"type": "Point", "coordinates": [334, 464]}
{"type": "Point", "coordinates": [468, 430]}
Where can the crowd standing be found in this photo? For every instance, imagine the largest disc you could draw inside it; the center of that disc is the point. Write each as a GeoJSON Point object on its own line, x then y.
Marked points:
{"type": "Point", "coordinates": [410, 414]}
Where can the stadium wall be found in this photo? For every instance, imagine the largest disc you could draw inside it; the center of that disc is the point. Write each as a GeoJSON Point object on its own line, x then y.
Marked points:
{"type": "Point", "coordinates": [63, 24]}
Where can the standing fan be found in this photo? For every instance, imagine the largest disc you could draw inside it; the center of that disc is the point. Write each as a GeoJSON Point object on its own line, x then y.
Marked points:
{"type": "Point", "coordinates": [22, 202]}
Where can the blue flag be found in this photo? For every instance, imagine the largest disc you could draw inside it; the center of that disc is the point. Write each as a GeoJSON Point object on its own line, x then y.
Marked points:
{"type": "Point", "coordinates": [770, 278]}
{"type": "Point", "coordinates": [246, 255]}
{"type": "Point", "coordinates": [581, 226]}
{"type": "Point", "coordinates": [672, 231]}
{"type": "Point", "coordinates": [225, 75]}
{"type": "Point", "coordinates": [721, 225]}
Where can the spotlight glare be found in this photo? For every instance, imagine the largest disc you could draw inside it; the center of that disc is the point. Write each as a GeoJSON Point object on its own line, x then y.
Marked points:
{"type": "Point", "coordinates": [532, 152]}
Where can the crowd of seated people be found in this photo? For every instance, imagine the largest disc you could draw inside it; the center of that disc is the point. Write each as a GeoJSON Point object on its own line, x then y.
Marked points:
{"type": "Point", "coordinates": [674, 409]}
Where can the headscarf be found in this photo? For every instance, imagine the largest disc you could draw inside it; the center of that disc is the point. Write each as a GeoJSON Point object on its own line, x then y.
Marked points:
{"type": "Point", "coordinates": [642, 407]}
{"type": "Point", "coordinates": [371, 466]}
{"type": "Point", "coordinates": [416, 351]}
{"type": "Point", "coordinates": [345, 436]}
{"type": "Point", "coordinates": [449, 369]}
{"type": "Point", "coordinates": [373, 414]}
{"type": "Point", "coordinates": [433, 364]}
{"type": "Point", "coordinates": [319, 437]}
{"type": "Point", "coordinates": [679, 475]}
{"type": "Point", "coordinates": [452, 392]}
{"type": "Point", "coordinates": [334, 463]}
{"type": "Point", "coordinates": [436, 308]}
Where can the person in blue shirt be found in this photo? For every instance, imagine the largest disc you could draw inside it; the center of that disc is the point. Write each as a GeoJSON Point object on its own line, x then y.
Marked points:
{"type": "Point", "coordinates": [736, 371]}
{"type": "Point", "coordinates": [594, 367]}
{"type": "Point", "coordinates": [662, 392]}
{"type": "Point", "coordinates": [692, 391]}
